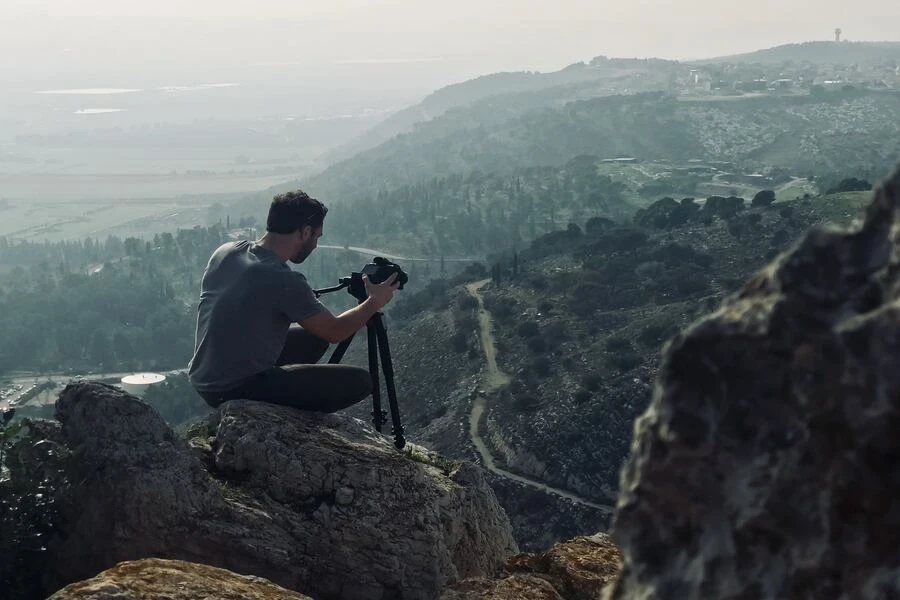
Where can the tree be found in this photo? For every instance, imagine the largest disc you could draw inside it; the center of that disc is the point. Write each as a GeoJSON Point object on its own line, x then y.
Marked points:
{"type": "Point", "coordinates": [763, 198]}
{"type": "Point", "coordinates": [100, 349]}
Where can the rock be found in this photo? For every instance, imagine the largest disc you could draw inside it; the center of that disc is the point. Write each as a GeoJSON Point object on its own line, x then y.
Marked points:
{"type": "Point", "coordinates": [766, 464]}
{"type": "Point", "coordinates": [173, 580]}
{"type": "Point", "coordinates": [575, 570]}
{"type": "Point", "coordinates": [516, 587]}
{"type": "Point", "coordinates": [315, 503]}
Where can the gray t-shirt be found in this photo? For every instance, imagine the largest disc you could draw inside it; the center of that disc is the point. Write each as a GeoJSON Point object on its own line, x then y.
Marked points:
{"type": "Point", "coordinates": [248, 299]}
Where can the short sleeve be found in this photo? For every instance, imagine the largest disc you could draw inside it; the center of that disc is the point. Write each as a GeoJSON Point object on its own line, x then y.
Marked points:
{"type": "Point", "coordinates": [298, 302]}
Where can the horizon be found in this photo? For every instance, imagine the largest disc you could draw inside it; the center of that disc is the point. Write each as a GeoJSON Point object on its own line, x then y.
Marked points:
{"type": "Point", "coordinates": [446, 44]}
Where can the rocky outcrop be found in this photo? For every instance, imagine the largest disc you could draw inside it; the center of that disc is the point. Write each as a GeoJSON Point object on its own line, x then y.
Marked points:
{"type": "Point", "coordinates": [173, 580]}
{"type": "Point", "coordinates": [315, 503]}
{"type": "Point", "coordinates": [766, 465]}
{"type": "Point", "coordinates": [574, 570]}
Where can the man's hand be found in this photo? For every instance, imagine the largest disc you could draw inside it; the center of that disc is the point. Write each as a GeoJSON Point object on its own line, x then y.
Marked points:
{"type": "Point", "coordinates": [381, 293]}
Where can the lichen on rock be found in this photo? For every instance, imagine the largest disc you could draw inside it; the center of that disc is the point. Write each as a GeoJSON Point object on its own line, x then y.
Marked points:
{"type": "Point", "coordinates": [173, 580]}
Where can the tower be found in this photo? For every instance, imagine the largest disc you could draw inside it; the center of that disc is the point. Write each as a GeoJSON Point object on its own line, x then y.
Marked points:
{"type": "Point", "coordinates": [837, 34]}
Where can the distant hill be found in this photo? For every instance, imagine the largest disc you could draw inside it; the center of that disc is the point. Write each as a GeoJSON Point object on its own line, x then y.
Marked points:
{"type": "Point", "coordinates": [516, 91]}
{"type": "Point", "coordinates": [838, 130]}
{"type": "Point", "coordinates": [818, 53]}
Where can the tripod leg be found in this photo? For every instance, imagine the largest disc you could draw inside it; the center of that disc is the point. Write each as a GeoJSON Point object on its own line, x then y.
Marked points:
{"type": "Point", "coordinates": [338, 353]}
{"type": "Point", "coordinates": [378, 416]}
{"type": "Point", "coordinates": [388, 367]}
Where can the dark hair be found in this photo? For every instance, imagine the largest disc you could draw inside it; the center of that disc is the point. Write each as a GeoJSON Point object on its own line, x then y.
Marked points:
{"type": "Point", "coordinates": [291, 211]}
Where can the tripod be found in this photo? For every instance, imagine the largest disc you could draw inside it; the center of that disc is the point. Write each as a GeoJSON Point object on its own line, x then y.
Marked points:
{"type": "Point", "coordinates": [378, 345]}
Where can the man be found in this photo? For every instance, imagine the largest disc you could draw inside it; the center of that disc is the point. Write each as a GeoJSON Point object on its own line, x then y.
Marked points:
{"type": "Point", "coordinates": [246, 345]}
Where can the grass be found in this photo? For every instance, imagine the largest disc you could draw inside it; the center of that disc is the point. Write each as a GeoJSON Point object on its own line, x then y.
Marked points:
{"type": "Point", "coordinates": [424, 456]}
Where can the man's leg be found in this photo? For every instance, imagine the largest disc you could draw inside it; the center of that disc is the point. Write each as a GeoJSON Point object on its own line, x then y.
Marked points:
{"type": "Point", "coordinates": [302, 348]}
{"type": "Point", "coordinates": [322, 388]}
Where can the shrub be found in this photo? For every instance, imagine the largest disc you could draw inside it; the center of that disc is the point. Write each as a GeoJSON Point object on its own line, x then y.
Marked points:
{"type": "Point", "coordinates": [459, 342]}
{"type": "Point", "coordinates": [468, 303]}
{"type": "Point", "coordinates": [591, 382]}
{"type": "Point", "coordinates": [626, 361]}
{"type": "Point", "coordinates": [528, 329]}
{"type": "Point", "coordinates": [527, 402]}
{"type": "Point", "coordinates": [763, 198]}
{"type": "Point", "coordinates": [649, 270]}
{"type": "Point", "coordinates": [851, 184]}
{"type": "Point", "coordinates": [539, 283]}
{"type": "Point", "coordinates": [656, 332]}
{"type": "Point", "coordinates": [541, 366]}
{"type": "Point", "coordinates": [618, 344]}
{"type": "Point", "coordinates": [536, 345]}
{"type": "Point", "coordinates": [582, 396]}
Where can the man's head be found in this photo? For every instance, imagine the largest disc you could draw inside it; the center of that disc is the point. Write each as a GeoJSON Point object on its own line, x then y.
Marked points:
{"type": "Point", "coordinates": [296, 220]}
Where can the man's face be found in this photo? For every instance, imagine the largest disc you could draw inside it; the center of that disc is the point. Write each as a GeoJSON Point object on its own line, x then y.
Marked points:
{"type": "Point", "coordinates": [306, 241]}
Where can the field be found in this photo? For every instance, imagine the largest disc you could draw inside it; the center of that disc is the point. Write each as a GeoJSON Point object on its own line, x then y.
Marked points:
{"type": "Point", "coordinates": [695, 179]}
{"type": "Point", "coordinates": [72, 195]}
{"type": "Point", "coordinates": [56, 221]}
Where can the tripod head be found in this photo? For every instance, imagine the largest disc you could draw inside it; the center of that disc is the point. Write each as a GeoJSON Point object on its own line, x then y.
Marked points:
{"type": "Point", "coordinates": [378, 270]}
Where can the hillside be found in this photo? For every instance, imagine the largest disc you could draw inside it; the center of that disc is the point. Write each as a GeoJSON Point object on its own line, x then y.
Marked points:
{"type": "Point", "coordinates": [840, 130]}
{"type": "Point", "coordinates": [516, 92]}
{"type": "Point", "coordinates": [822, 52]}
{"type": "Point", "coordinates": [579, 319]}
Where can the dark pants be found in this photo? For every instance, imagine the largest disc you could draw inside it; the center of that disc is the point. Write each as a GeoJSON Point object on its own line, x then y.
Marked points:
{"type": "Point", "coordinates": [297, 381]}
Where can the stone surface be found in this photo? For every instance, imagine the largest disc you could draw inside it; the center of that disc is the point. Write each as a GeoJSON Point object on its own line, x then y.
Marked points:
{"type": "Point", "coordinates": [315, 503]}
{"type": "Point", "coordinates": [154, 578]}
{"type": "Point", "coordinates": [578, 569]}
{"type": "Point", "coordinates": [767, 463]}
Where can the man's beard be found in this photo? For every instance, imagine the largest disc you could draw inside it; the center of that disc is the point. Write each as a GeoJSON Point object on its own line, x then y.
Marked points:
{"type": "Point", "coordinates": [303, 253]}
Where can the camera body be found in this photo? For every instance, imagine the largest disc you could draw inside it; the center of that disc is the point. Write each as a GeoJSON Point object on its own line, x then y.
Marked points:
{"type": "Point", "coordinates": [377, 271]}
{"type": "Point", "coordinates": [381, 268]}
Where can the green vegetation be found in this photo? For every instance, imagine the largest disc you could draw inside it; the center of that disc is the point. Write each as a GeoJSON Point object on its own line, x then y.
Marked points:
{"type": "Point", "coordinates": [116, 304]}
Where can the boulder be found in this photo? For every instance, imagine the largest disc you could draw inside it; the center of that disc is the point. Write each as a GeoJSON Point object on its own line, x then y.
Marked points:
{"type": "Point", "coordinates": [173, 580]}
{"type": "Point", "coordinates": [766, 464]}
{"type": "Point", "coordinates": [578, 569]}
{"type": "Point", "coordinates": [313, 502]}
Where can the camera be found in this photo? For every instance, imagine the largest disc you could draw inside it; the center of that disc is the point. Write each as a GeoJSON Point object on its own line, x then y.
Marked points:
{"type": "Point", "coordinates": [381, 268]}
{"type": "Point", "coordinates": [378, 271]}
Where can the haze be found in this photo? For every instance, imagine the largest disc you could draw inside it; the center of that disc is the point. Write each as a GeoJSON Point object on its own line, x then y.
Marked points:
{"type": "Point", "coordinates": [467, 37]}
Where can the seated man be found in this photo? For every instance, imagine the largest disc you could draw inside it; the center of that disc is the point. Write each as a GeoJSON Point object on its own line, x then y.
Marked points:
{"type": "Point", "coordinates": [246, 345]}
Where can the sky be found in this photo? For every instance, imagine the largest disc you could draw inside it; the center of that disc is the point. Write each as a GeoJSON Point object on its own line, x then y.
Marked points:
{"type": "Point", "coordinates": [484, 35]}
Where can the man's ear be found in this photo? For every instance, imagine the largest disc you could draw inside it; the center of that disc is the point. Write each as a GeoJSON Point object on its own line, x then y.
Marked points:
{"type": "Point", "coordinates": [306, 233]}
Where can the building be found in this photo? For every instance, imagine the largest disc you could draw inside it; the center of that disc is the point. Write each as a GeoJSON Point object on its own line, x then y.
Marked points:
{"type": "Point", "coordinates": [137, 383]}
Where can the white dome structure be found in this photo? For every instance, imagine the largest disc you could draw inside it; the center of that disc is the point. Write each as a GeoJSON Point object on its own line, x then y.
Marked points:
{"type": "Point", "coordinates": [137, 383]}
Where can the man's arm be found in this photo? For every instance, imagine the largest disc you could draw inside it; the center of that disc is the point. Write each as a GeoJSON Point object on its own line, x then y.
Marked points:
{"type": "Point", "coordinates": [335, 329]}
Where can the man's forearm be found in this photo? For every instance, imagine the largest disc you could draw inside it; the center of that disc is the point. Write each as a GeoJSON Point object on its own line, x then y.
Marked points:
{"type": "Point", "coordinates": [351, 321]}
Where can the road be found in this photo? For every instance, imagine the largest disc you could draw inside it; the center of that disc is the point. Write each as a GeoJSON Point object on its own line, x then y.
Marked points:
{"type": "Point", "coordinates": [373, 252]}
{"type": "Point", "coordinates": [26, 381]}
{"type": "Point", "coordinates": [494, 380]}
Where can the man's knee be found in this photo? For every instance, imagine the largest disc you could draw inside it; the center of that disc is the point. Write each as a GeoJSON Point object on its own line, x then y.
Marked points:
{"type": "Point", "coordinates": [360, 384]}
{"type": "Point", "coordinates": [319, 347]}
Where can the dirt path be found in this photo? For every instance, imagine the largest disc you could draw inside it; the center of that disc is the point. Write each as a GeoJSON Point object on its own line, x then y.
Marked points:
{"type": "Point", "coordinates": [494, 380]}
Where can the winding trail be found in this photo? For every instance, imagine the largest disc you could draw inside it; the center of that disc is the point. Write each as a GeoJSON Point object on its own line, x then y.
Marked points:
{"type": "Point", "coordinates": [494, 380]}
